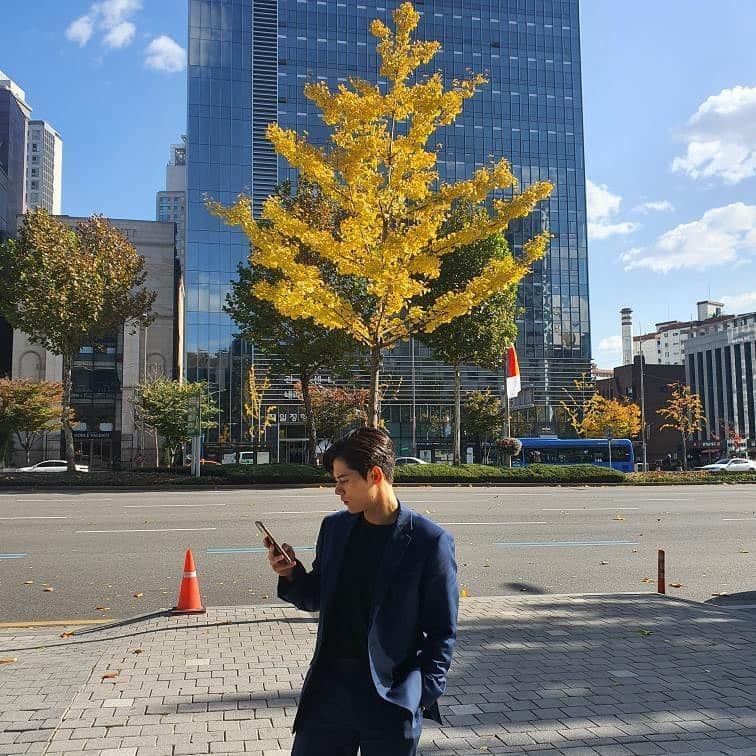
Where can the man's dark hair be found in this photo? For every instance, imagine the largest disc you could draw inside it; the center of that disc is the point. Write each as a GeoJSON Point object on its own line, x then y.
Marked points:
{"type": "Point", "coordinates": [362, 450]}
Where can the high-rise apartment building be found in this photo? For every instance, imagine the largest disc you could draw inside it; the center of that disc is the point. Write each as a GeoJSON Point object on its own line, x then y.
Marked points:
{"type": "Point", "coordinates": [44, 167]}
{"type": "Point", "coordinates": [248, 62]}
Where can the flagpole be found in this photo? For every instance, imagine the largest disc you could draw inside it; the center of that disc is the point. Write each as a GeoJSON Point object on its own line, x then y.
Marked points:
{"type": "Point", "coordinates": [507, 425]}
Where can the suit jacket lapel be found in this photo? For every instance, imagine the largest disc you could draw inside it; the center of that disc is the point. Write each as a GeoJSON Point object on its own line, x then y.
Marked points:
{"type": "Point", "coordinates": [392, 556]}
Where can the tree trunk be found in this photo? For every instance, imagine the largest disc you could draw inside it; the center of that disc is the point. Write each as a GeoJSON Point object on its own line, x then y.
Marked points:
{"type": "Point", "coordinates": [685, 454]}
{"type": "Point", "coordinates": [312, 439]}
{"type": "Point", "coordinates": [157, 448]}
{"type": "Point", "coordinates": [374, 409]}
{"type": "Point", "coordinates": [457, 414]}
{"type": "Point", "coordinates": [67, 432]}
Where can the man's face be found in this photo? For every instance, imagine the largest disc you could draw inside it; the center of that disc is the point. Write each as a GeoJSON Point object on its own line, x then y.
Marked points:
{"type": "Point", "coordinates": [356, 493]}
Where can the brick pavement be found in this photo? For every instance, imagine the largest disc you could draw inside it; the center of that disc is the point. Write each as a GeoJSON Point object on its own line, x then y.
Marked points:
{"type": "Point", "coordinates": [611, 674]}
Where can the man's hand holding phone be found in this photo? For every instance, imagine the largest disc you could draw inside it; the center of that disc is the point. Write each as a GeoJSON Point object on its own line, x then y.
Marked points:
{"type": "Point", "coordinates": [281, 566]}
{"type": "Point", "coordinates": [282, 558]}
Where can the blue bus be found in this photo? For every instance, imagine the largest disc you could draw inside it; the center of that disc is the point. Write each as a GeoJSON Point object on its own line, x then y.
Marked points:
{"type": "Point", "coordinates": [577, 451]}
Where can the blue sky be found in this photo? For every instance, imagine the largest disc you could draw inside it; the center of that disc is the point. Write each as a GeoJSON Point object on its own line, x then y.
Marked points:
{"type": "Point", "coordinates": [669, 92]}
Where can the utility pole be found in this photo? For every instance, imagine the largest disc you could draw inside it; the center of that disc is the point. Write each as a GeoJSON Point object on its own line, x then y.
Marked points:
{"type": "Point", "coordinates": [414, 399]}
{"type": "Point", "coordinates": [643, 414]}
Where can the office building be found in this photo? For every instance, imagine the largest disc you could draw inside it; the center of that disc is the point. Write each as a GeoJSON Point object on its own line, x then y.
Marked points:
{"type": "Point", "coordinates": [14, 116]}
{"type": "Point", "coordinates": [171, 203]}
{"type": "Point", "coordinates": [630, 382]}
{"type": "Point", "coordinates": [44, 167]}
{"type": "Point", "coordinates": [248, 62]}
{"type": "Point", "coordinates": [719, 367]}
{"type": "Point", "coordinates": [104, 378]}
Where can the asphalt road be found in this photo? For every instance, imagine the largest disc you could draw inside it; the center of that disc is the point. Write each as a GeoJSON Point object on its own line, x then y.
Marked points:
{"type": "Point", "coordinates": [96, 550]}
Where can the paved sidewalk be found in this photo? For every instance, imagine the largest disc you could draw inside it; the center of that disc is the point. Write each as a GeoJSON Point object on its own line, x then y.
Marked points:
{"type": "Point", "coordinates": [610, 674]}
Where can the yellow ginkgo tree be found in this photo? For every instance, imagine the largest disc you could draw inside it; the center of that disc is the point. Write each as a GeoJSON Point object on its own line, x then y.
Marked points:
{"type": "Point", "coordinates": [380, 172]}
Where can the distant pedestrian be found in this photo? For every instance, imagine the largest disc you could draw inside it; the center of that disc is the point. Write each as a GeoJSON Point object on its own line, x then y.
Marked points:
{"type": "Point", "coordinates": [384, 580]}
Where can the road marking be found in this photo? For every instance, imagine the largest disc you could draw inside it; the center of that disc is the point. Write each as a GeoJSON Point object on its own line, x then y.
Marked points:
{"type": "Point", "coordinates": [37, 517]}
{"type": "Point", "coordinates": [585, 509]}
{"type": "Point", "coordinates": [532, 522]}
{"type": "Point", "coordinates": [156, 530]}
{"type": "Point", "coordinates": [152, 506]}
{"type": "Point", "coordinates": [12, 556]}
{"type": "Point", "coordinates": [738, 519]}
{"type": "Point", "coordinates": [568, 543]}
{"type": "Point", "coordinates": [252, 549]}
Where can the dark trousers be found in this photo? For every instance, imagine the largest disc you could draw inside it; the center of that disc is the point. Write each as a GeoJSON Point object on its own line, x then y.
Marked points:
{"type": "Point", "coordinates": [343, 712]}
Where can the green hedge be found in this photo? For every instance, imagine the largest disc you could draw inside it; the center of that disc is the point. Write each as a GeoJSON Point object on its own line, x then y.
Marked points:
{"type": "Point", "coordinates": [694, 477]}
{"type": "Point", "coordinates": [241, 475]}
{"type": "Point", "coordinates": [547, 474]}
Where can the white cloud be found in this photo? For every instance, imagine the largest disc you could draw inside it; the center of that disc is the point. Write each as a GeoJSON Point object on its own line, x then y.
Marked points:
{"type": "Point", "coordinates": [659, 206]}
{"type": "Point", "coordinates": [110, 17]}
{"type": "Point", "coordinates": [738, 303]}
{"type": "Point", "coordinates": [164, 54]}
{"type": "Point", "coordinates": [602, 205]}
{"type": "Point", "coordinates": [723, 235]}
{"type": "Point", "coordinates": [120, 35]}
{"type": "Point", "coordinates": [610, 344]}
{"type": "Point", "coordinates": [113, 12]}
{"type": "Point", "coordinates": [721, 137]}
{"type": "Point", "coordinates": [80, 30]}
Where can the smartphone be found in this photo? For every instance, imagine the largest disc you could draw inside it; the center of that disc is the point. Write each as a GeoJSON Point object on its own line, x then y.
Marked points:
{"type": "Point", "coordinates": [265, 532]}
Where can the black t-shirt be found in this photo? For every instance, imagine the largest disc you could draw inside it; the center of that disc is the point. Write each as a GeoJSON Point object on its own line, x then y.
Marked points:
{"type": "Point", "coordinates": [347, 629]}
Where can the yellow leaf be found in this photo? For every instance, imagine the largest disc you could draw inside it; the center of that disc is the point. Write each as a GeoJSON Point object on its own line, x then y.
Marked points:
{"type": "Point", "coordinates": [28, 582]}
{"type": "Point", "coordinates": [463, 593]}
{"type": "Point", "coordinates": [138, 595]}
{"type": "Point", "coordinates": [618, 517]}
{"type": "Point", "coordinates": [109, 675]}
{"type": "Point", "coordinates": [102, 608]}
{"type": "Point", "coordinates": [49, 589]}
{"type": "Point", "coordinates": [8, 659]}
{"type": "Point", "coordinates": [675, 585]}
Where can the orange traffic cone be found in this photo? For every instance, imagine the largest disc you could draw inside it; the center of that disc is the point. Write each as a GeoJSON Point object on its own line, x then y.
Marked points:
{"type": "Point", "coordinates": [189, 601]}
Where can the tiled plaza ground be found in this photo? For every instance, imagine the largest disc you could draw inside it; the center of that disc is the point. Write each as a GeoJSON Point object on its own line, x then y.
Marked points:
{"type": "Point", "coordinates": [608, 674]}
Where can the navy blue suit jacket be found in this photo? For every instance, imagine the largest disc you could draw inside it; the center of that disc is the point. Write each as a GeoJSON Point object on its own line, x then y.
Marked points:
{"type": "Point", "coordinates": [413, 621]}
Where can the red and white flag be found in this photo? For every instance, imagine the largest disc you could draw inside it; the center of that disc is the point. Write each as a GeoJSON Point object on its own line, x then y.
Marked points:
{"type": "Point", "coordinates": [513, 373]}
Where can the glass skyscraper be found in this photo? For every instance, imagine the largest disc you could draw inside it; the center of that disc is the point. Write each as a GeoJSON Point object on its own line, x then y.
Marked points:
{"type": "Point", "coordinates": [248, 62]}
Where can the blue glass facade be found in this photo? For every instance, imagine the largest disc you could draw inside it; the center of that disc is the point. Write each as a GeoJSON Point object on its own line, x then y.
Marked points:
{"type": "Point", "coordinates": [248, 62]}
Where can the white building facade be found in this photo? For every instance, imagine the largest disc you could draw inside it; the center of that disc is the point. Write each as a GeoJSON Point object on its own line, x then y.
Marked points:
{"type": "Point", "coordinates": [44, 167]}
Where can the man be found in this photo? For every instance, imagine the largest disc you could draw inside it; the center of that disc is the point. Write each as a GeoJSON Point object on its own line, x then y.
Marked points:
{"type": "Point", "coordinates": [384, 580]}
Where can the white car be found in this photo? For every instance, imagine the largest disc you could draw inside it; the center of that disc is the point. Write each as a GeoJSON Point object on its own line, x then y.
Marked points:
{"type": "Point", "coordinates": [399, 461]}
{"type": "Point", "coordinates": [52, 465]}
{"type": "Point", "coordinates": [736, 464]}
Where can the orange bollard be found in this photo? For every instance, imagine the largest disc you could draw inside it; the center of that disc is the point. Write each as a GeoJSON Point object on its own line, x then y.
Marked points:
{"type": "Point", "coordinates": [189, 601]}
{"type": "Point", "coordinates": [661, 582]}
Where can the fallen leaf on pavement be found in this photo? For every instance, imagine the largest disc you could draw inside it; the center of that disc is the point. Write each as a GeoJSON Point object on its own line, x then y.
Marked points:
{"type": "Point", "coordinates": [463, 593]}
{"type": "Point", "coordinates": [265, 595]}
{"type": "Point", "coordinates": [743, 551]}
{"type": "Point", "coordinates": [138, 651]}
{"type": "Point", "coordinates": [676, 585]}
{"type": "Point", "coordinates": [618, 517]}
{"type": "Point", "coordinates": [28, 582]}
{"type": "Point", "coordinates": [604, 562]}
{"type": "Point", "coordinates": [66, 634]}
{"type": "Point", "coordinates": [109, 675]}
{"type": "Point", "coordinates": [720, 594]}
{"type": "Point", "coordinates": [647, 580]}
{"type": "Point", "coordinates": [138, 595]}
{"type": "Point", "coordinates": [102, 608]}
{"type": "Point", "coordinates": [49, 589]}
{"type": "Point", "coordinates": [8, 659]}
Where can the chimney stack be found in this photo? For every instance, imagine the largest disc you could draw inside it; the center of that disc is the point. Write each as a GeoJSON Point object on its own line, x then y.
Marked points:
{"type": "Point", "coordinates": [627, 335]}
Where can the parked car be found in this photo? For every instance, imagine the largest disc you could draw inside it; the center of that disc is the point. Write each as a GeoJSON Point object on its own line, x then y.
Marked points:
{"type": "Point", "coordinates": [52, 465]}
{"type": "Point", "coordinates": [735, 464]}
{"type": "Point", "coordinates": [409, 461]}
